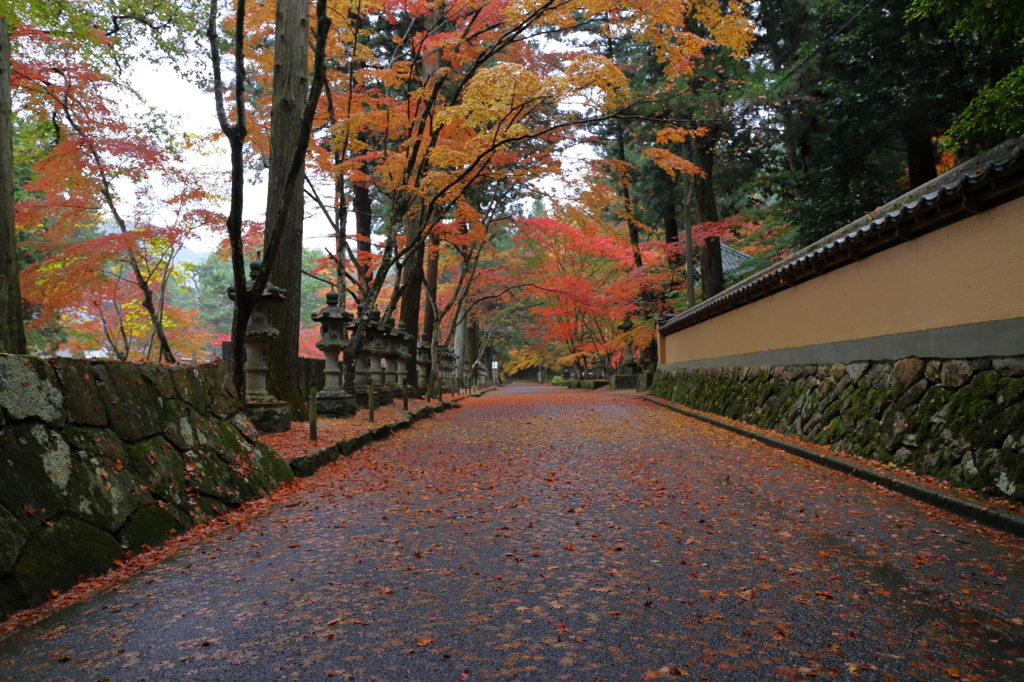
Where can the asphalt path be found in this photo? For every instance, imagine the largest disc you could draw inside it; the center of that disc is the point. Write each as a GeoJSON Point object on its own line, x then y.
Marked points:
{"type": "Point", "coordinates": [547, 534]}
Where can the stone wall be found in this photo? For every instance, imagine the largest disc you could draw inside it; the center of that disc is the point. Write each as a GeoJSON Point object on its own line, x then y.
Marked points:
{"type": "Point", "coordinates": [98, 458]}
{"type": "Point", "coordinates": [959, 420]}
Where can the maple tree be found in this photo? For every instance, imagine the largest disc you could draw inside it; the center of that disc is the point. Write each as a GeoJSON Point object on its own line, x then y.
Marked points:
{"type": "Point", "coordinates": [100, 35]}
{"type": "Point", "coordinates": [460, 96]}
{"type": "Point", "coordinates": [116, 280]}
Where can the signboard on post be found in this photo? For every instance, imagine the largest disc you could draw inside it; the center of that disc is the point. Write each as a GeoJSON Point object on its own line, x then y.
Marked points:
{"type": "Point", "coordinates": [494, 364]}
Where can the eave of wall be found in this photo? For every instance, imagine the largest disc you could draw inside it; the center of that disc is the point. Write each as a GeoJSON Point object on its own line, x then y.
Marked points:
{"type": "Point", "coordinates": [983, 183]}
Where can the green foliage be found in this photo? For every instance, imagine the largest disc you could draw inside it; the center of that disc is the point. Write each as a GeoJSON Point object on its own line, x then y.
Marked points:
{"type": "Point", "coordinates": [997, 112]}
{"type": "Point", "coordinates": [557, 380]}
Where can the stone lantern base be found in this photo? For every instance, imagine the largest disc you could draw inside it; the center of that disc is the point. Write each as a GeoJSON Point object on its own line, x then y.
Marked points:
{"type": "Point", "coordinates": [275, 417]}
{"type": "Point", "coordinates": [381, 396]}
{"type": "Point", "coordinates": [336, 404]}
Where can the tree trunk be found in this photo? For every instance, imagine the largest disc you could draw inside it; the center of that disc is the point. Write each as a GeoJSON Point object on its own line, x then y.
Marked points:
{"type": "Point", "coordinates": [289, 97]}
{"type": "Point", "coordinates": [920, 156]}
{"type": "Point", "coordinates": [363, 208]}
{"type": "Point", "coordinates": [411, 310]}
{"type": "Point", "coordinates": [12, 328]}
{"type": "Point", "coordinates": [687, 228]}
{"type": "Point", "coordinates": [711, 267]}
{"type": "Point", "coordinates": [703, 153]}
{"type": "Point", "coordinates": [431, 291]}
{"type": "Point", "coordinates": [672, 229]}
{"type": "Point", "coordinates": [624, 181]}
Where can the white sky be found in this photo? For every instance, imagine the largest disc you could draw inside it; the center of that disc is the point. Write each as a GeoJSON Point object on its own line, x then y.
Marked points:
{"type": "Point", "coordinates": [166, 91]}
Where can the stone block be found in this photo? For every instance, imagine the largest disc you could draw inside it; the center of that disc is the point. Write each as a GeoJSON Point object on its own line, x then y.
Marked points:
{"type": "Point", "coordinates": [623, 382]}
{"type": "Point", "coordinates": [160, 468]}
{"type": "Point", "coordinates": [1009, 367]}
{"type": "Point", "coordinates": [215, 378]}
{"type": "Point", "coordinates": [342, 405]}
{"type": "Point", "coordinates": [908, 371]}
{"type": "Point", "coordinates": [55, 557]}
{"type": "Point", "coordinates": [211, 477]}
{"type": "Point", "coordinates": [159, 376]}
{"type": "Point", "coordinates": [178, 425]}
{"type": "Point", "coordinates": [13, 537]}
{"type": "Point", "coordinates": [82, 398]}
{"type": "Point", "coordinates": [956, 373]}
{"type": "Point", "coordinates": [101, 491]}
{"type": "Point", "coordinates": [272, 465]}
{"type": "Point", "coordinates": [269, 417]}
{"type": "Point", "coordinates": [152, 525]}
{"type": "Point", "coordinates": [855, 370]}
{"type": "Point", "coordinates": [190, 387]}
{"type": "Point", "coordinates": [35, 468]}
{"type": "Point", "coordinates": [29, 388]}
{"type": "Point", "coordinates": [134, 409]}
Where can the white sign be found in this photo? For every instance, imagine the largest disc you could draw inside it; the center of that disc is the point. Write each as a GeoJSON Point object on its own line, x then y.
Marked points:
{"type": "Point", "coordinates": [494, 364]}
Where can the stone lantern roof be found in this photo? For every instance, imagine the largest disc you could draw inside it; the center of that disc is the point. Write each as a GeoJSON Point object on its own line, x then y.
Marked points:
{"type": "Point", "coordinates": [334, 321]}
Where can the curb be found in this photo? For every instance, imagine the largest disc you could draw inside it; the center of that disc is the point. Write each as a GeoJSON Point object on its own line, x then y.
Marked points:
{"type": "Point", "coordinates": [306, 465]}
{"type": "Point", "coordinates": [1008, 523]}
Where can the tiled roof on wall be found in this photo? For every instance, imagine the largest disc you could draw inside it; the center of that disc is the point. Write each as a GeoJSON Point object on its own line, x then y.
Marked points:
{"type": "Point", "coordinates": [978, 185]}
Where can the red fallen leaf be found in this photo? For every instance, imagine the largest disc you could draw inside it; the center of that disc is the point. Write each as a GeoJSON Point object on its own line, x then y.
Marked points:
{"type": "Point", "coordinates": [331, 623]}
{"type": "Point", "coordinates": [824, 595]}
{"type": "Point", "coordinates": [359, 622]}
{"type": "Point", "coordinates": [28, 509]}
{"type": "Point", "coordinates": [292, 546]}
{"type": "Point", "coordinates": [571, 547]}
{"type": "Point", "coordinates": [424, 641]}
{"type": "Point", "coordinates": [464, 675]}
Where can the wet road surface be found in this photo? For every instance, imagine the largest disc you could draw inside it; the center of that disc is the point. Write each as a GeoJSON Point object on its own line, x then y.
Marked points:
{"type": "Point", "coordinates": [546, 534]}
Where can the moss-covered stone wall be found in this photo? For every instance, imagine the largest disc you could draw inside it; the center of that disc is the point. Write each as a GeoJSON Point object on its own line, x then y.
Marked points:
{"type": "Point", "coordinates": [98, 458]}
{"type": "Point", "coordinates": [959, 420]}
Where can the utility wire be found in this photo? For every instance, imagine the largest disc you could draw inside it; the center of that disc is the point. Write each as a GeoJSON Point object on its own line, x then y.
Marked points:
{"type": "Point", "coordinates": [821, 47]}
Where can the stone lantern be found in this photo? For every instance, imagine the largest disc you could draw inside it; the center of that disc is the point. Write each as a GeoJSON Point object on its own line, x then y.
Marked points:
{"type": "Point", "coordinates": [267, 414]}
{"type": "Point", "coordinates": [628, 361]}
{"type": "Point", "coordinates": [626, 377]}
{"type": "Point", "coordinates": [333, 400]}
{"type": "Point", "coordinates": [392, 350]}
{"type": "Point", "coordinates": [376, 348]}
{"type": "Point", "coordinates": [360, 364]}
{"type": "Point", "coordinates": [404, 356]}
{"type": "Point", "coordinates": [423, 361]}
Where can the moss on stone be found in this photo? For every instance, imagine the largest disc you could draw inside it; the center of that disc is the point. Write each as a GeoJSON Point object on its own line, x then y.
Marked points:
{"type": "Point", "coordinates": [55, 557]}
{"type": "Point", "coordinates": [152, 525]}
{"type": "Point", "coordinates": [102, 492]}
{"type": "Point", "coordinates": [29, 389]}
{"type": "Point", "coordinates": [13, 536]}
{"type": "Point", "coordinates": [134, 410]}
{"type": "Point", "coordinates": [32, 481]}
{"type": "Point", "coordinates": [160, 468]}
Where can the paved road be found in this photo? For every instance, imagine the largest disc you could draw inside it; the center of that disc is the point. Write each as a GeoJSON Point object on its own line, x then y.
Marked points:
{"type": "Point", "coordinates": [543, 534]}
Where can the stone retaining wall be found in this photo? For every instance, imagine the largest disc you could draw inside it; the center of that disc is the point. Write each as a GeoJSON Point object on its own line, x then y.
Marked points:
{"type": "Point", "coordinates": [98, 458]}
{"type": "Point", "coordinates": [959, 420]}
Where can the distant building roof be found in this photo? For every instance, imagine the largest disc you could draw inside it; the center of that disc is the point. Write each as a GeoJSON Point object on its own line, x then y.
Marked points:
{"type": "Point", "coordinates": [984, 182]}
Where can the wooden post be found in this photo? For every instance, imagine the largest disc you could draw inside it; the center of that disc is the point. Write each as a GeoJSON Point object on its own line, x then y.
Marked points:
{"type": "Point", "coordinates": [312, 409]}
{"type": "Point", "coordinates": [369, 398]}
{"type": "Point", "coordinates": [405, 397]}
